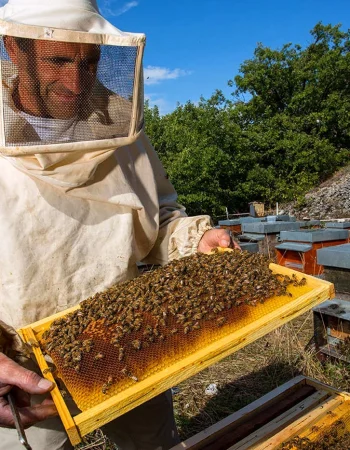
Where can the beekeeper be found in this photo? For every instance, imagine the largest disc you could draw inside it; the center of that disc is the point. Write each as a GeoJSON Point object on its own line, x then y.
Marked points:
{"type": "Point", "coordinates": [84, 197]}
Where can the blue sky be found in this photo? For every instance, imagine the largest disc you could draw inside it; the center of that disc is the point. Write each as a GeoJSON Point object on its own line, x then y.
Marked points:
{"type": "Point", "coordinates": [196, 46]}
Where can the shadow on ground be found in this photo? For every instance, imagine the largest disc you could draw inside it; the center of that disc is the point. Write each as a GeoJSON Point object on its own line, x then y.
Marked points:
{"type": "Point", "coordinates": [235, 395]}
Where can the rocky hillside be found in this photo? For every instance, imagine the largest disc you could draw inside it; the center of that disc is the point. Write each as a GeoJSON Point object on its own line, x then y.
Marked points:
{"type": "Point", "coordinates": [331, 200]}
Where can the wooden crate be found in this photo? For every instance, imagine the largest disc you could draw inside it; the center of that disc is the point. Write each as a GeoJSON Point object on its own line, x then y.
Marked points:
{"type": "Point", "coordinates": [305, 262]}
{"type": "Point", "coordinates": [332, 327]}
{"type": "Point", "coordinates": [259, 320]}
{"type": "Point", "coordinates": [302, 408]}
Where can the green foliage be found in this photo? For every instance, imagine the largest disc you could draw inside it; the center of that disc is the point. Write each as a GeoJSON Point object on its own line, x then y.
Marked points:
{"type": "Point", "coordinates": [291, 133]}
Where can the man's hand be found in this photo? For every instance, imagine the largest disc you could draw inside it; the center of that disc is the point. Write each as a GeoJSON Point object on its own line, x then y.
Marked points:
{"type": "Point", "coordinates": [216, 237]}
{"type": "Point", "coordinates": [23, 382]}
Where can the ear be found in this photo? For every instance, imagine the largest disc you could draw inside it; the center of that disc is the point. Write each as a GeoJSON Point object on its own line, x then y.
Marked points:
{"type": "Point", "coordinates": [12, 48]}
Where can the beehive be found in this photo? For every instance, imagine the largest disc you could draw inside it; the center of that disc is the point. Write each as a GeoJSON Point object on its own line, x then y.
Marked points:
{"type": "Point", "coordinates": [300, 414]}
{"type": "Point", "coordinates": [139, 338]}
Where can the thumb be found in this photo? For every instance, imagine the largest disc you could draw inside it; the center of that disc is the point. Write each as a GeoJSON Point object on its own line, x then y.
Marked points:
{"type": "Point", "coordinates": [13, 374]}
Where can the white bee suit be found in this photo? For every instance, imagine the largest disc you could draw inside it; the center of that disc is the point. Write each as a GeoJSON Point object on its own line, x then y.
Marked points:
{"type": "Point", "coordinates": [75, 216]}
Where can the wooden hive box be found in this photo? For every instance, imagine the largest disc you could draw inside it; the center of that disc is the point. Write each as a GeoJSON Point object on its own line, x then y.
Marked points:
{"type": "Point", "coordinates": [301, 411]}
{"type": "Point", "coordinates": [259, 320]}
{"type": "Point", "coordinates": [332, 328]}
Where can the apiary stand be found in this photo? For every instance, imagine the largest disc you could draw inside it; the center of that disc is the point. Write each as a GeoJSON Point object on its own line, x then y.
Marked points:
{"type": "Point", "coordinates": [301, 407]}
{"type": "Point", "coordinates": [273, 313]}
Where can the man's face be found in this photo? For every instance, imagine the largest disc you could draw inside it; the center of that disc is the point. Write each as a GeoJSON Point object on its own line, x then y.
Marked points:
{"type": "Point", "coordinates": [55, 78]}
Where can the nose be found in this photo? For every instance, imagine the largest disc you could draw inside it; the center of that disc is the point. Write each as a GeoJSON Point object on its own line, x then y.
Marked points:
{"type": "Point", "coordinates": [73, 80]}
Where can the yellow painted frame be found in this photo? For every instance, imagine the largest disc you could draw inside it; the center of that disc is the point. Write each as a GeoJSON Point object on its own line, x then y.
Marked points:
{"type": "Point", "coordinates": [93, 418]}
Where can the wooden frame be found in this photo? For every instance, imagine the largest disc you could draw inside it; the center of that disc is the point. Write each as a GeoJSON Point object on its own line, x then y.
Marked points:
{"type": "Point", "coordinates": [89, 420]}
{"type": "Point", "coordinates": [301, 407]}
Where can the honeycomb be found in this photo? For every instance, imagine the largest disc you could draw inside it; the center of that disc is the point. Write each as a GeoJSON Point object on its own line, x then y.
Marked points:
{"type": "Point", "coordinates": [140, 327]}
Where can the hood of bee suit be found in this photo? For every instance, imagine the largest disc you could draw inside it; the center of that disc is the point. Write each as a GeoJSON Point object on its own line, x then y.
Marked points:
{"type": "Point", "coordinates": [77, 15]}
{"type": "Point", "coordinates": [64, 149]}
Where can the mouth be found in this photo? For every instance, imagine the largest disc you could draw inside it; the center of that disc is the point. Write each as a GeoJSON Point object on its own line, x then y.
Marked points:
{"type": "Point", "coordinates": [67, 98]}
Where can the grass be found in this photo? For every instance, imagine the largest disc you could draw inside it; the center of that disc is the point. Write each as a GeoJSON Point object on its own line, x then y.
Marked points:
{"type": "Point", "coordinates": [247, 375]}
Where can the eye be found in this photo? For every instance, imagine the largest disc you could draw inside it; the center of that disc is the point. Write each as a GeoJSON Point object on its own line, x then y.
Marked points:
{"type": "Point", "coordinates": [58, 60]}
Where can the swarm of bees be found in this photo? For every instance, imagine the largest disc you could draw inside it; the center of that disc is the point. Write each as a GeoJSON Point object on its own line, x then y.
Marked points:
{"type": "Point", "coordinates": [335, 438]}
{"type": "Point", "coordinates": [174, 305]}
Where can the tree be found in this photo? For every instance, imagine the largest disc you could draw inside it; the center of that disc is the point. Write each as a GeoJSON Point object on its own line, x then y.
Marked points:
{"type": "Point", "coordinates": [291, 133]}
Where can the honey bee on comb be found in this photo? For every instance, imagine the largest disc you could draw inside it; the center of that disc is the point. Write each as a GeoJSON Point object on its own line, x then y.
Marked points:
{"type": "Point", "coordinates": [156, 319]}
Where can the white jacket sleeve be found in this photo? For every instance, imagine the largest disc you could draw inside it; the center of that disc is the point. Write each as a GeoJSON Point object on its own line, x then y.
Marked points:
{"type": "Point", "coordinates": [179, 235]}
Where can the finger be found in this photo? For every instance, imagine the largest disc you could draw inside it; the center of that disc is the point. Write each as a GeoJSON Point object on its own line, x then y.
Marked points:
{"type": "Point", "coordinates": [48, 401]}
{"type": "Point", "coordinates": [4, 389]}
{"type": "Point", "coordinates": [37, 413]}
{"type": "Point", "coordinates": [236, 245]}
{"type": "Point", "coordinates": [22, 398]}
{"type": "Point", "coordinates": [16, 375]}
{"type": "Point", "coordinates": [223, 238]}
{"type": "Point", "coordinates": [29, 415]}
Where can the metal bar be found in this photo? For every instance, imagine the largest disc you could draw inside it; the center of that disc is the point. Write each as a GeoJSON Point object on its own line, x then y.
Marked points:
{"type": "Point", "coordinates": [18, 423]}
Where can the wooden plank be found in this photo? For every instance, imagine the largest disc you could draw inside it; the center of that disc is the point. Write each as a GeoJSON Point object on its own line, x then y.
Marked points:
{"type": "Point", "coordinates": [243, 415]}
{"type": "Point", "coordinates": [318, 291]}
{"type": "Point", "coordinates": [341, 413]}
{"type": "Point", "coordinates": [332, 351]}
{"type": "Point", "coordinates": [67, 420]}
{"type": "Point", "coordinates": [279, 424]}
{"type": "Point", "coordinates": [325, 387]}
{"type": "Point", "coordinates": [294, 429]}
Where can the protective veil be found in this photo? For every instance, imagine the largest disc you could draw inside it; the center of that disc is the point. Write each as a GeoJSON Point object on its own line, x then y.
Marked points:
{"type": "Point", "coordinates": [84, 89]}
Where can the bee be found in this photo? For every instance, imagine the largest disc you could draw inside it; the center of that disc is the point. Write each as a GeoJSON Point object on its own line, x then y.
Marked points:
{"type": "Point", "coordinates": [220, 321]}
{"type": "Point", "coordinates": [121, 353]}
{"type": "Point", "coordinates": [105, 388]}
{"type": "Point", "coordinates": [197, 316]}
{"type": "Point", "coordinates": [136, 344]}
{"type": "Point", "coordinates": [49, 370]}
{"type": "Point", "coordinates": [181, 317]}
{"type": "Point", "coordinates": [99, 356]}
{"type": "Point", "coordinates": [33, 343]}
{"type": "Point", "coordinates": [128, 374]}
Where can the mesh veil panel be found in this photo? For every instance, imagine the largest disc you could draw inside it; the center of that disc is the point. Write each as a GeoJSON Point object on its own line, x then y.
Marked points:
{"type": "Point", "coordinates": [87, 89]}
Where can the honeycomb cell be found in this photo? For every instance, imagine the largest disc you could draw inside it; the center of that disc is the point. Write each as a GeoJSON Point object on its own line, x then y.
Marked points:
{"type": "Point", "coordinates": [137, 328]}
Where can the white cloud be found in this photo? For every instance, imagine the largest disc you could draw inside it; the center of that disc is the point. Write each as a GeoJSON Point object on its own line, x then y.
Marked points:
{"type": "Point", "coordinates": [154, 74]}
{"type": "Point", "coordinates": [111, 9]}
{"type": "Point", "coordinates": [157, 99]}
